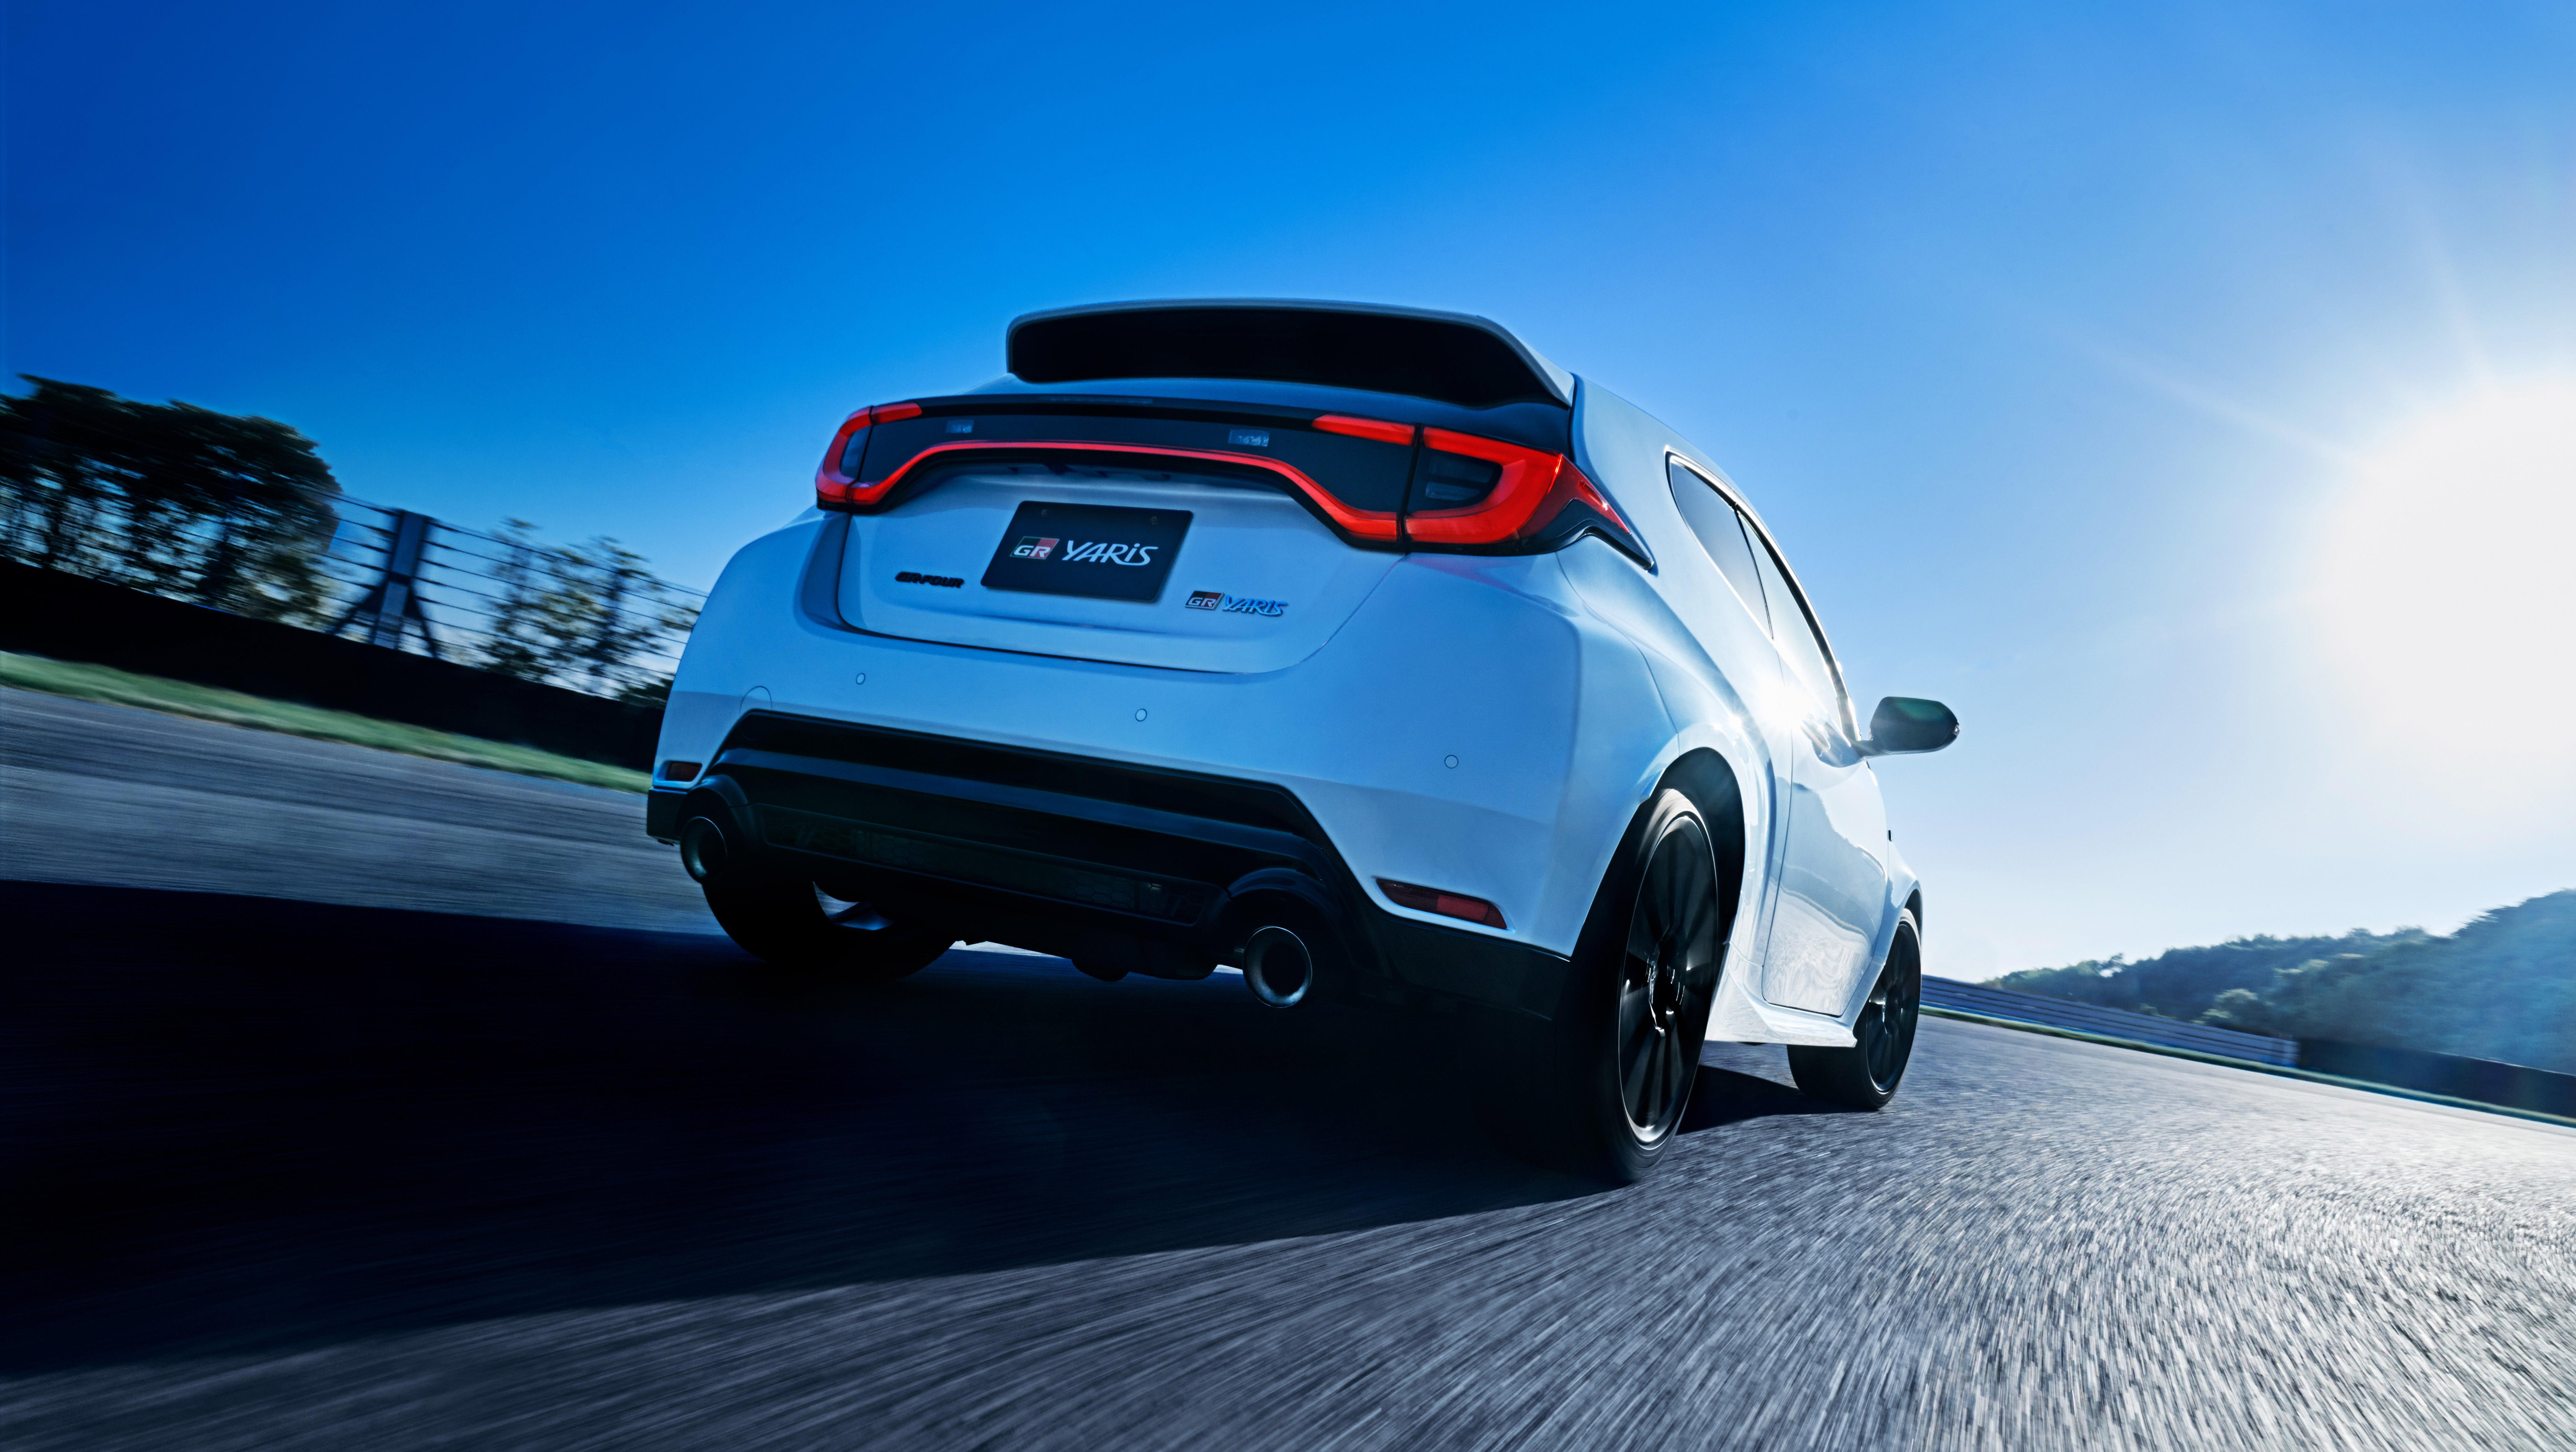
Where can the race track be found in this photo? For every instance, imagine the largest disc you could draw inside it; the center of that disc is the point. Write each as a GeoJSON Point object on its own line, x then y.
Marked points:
{"type": "Point", "coordinates": [348, 1100]}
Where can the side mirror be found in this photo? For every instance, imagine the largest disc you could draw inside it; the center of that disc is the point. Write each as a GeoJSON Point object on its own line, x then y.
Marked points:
{"type": "Point", "coordinates": [1902, 724]}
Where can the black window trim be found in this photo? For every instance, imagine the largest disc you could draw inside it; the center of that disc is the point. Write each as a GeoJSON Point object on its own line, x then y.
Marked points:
{"type": "Point", "coordinates": [1779, 558]}
{"type": "Point", "coordinates": [1673, 461]}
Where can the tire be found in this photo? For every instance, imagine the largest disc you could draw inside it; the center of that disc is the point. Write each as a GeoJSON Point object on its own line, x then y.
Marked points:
{"type": "Point", "coordinates": [789, 922]}
{"type": "Point", "coordinates": [1865, 1075]}
{"type": "Point", "coordinates": [1622, 1054]}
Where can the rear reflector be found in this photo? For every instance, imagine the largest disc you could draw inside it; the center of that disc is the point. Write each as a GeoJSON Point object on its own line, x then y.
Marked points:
{"type": "Point", "coordinates": [680, 770]}
{"type": "Point", "coordinates": [1446, 904]}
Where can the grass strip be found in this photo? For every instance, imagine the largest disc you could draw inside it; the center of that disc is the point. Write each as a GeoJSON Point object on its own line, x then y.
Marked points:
{"type": "Point", "coordinates": [2258, 1066]}
{"type": "Point", "coordinates": [234, 708]}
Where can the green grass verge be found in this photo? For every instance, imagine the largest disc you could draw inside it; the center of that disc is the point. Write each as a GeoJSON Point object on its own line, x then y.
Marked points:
{"type": "Point", "coordinates": [2258, 1066]}
{"type": "Point", "coordinates": [233, 708]}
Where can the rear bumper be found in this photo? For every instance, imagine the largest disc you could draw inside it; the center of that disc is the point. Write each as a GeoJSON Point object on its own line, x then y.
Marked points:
{"type": "Point", "coordinates": [1149, 870]}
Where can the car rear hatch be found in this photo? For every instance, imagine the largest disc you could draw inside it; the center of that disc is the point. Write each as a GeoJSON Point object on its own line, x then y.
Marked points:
{"type": "Point", "coordinates": [1228, 513]}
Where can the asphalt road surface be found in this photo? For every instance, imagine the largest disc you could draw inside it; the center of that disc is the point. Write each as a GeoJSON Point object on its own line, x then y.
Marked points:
{"type": "Point", "coordinates": [348, 1100]}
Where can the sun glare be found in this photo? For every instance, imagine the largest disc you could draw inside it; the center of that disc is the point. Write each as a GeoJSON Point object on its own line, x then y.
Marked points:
{"type": "Point", "coordinates": [2449, 582]}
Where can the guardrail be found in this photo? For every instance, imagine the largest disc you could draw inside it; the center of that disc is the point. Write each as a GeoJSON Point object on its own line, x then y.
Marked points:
{"type": "Point", "coordinates": [2444, 1076]}
{"type": "Point", "coordinates": [588, 618]}
{"type": "Point", "coordinates": [67, 617]}
{"type": "Point", "coordinates": [2116, 1023]}
{"type": "Point", "coordinates": [2451, 1075]}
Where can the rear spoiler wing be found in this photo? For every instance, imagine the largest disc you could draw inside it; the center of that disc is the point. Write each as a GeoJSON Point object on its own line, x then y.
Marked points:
{"type": "Point", "coordinates": [1450, 357]}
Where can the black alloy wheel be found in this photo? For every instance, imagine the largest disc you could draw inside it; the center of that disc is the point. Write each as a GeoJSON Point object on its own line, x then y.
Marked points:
{"type": "Point", "coordinates": [1668, 976]}
{"type": "Point", "coordinates": [1599, 1090]}
{"type": "Point", "coordinates": [1865, 1075]}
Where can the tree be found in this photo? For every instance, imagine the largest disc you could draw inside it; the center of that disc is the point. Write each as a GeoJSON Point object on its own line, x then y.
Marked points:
{"type": "Point", "coordinates": [69, 441]}
{"type": "Point", "coordinates": [524, 638]}
{"type": "Point", "coordinates": [2241, 1009]}
{"type": "Point", "coordinates": [230, 511]}
{"type": "Point", "coordinates": [272, 516]}
{"type": "Point", "coordinates": [583, 617]}
{"type": "Point", "coordinates": [238, 512]}
{"type": "Point", "coordinates": [2502, 987]}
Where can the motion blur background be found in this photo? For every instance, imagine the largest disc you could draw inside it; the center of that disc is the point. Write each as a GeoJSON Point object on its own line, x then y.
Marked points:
{"type": "Point", "coordinates": [2184, 392]}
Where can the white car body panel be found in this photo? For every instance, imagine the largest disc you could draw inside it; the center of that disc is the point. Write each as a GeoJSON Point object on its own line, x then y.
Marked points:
{"type": "Point", "coordinates": [1376, 779]}
{"type": "Point", "coordinates": [1832, 886]}
{"type": "Point", "coordinates": [1246, 543]}
{"type": "Point", "coordinates": [1485, 724]}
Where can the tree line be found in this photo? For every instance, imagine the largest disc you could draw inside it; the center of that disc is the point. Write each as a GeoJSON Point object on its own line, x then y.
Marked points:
{"type": "Point", "coordinates": [2503, 987]}
{"type": "Point", "coordinates": [589, 616]}
{"type": "Point", "coordinates": [239, 513]}
{"type": "Point", "coordinates": [228, 511]}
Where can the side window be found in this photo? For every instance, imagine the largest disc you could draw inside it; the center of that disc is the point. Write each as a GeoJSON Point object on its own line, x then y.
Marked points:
{"type": "Point", "coordinates": [1720, 533]}
{"type": "Point", "coordinates": [1798, 644]}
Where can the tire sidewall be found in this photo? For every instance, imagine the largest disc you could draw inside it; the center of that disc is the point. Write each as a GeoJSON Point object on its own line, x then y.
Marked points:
{"type": "Point", "coordinates": [1841, 1076]}
{"type": "Point", "coordinates": [1602, 1139]}
{"type": "Point", "coordinates": [1908, 939]}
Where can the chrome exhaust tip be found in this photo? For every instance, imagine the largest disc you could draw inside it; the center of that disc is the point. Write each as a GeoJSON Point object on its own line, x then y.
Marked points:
{"type": "Point", "coordinates": [1278, 968]}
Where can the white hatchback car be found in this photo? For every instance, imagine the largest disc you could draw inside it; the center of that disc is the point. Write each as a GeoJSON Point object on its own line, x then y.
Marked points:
{"type": "Point", "coordinates": [1361, 649]}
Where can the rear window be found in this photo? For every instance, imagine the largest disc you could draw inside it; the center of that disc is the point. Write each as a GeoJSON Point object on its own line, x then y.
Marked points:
{"type": "Point", "coordinates": [1721, 533]}
{"type": "Point", "coordinates": [1799, 645]}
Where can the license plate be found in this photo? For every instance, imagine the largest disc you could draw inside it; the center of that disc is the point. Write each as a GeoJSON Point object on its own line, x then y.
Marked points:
{"type": "Point", "coordinates": [1092, 550]}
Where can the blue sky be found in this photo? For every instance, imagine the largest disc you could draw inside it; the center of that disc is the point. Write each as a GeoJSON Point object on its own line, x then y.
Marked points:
{"type": "Point", "coordinates": [2062, 344]}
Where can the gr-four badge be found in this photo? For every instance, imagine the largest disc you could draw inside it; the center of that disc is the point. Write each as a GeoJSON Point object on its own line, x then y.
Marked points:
{"type": "Point", "coordinates": [1235, 604]}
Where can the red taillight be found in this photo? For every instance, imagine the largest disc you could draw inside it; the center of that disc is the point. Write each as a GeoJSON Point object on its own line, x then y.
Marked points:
{"type": "Point", "coordinates": [1534, 486]}
{"type": "Point", "coordinates": [1532, 503]}
{"type": "Point", "coordinates": [1530, 494]}
{"type": "Point", "coordinates": [1372, 524]}
{"type": "Point", "coordinates": [1446, 904]}
{"type": "Point", "coordinates": [835, 481]}
{"type": "Point", "coordinates": [1366, 428]}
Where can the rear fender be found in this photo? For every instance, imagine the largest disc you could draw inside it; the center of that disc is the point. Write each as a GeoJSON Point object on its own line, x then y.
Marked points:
{"type": "Point", "coordinates": [1904, 894]}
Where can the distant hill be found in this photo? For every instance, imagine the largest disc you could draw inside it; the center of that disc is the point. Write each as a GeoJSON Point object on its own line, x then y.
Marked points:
{"type": "Point", "coordinates": [2503, 987]}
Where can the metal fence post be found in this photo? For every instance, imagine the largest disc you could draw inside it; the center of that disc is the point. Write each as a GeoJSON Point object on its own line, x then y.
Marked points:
{"type": "Point", "coordinates": [392, 605]}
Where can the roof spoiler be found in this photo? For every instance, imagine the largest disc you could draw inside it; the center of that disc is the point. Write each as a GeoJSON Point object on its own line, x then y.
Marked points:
{"type": "Point", "coordinates": [1452, 357]}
